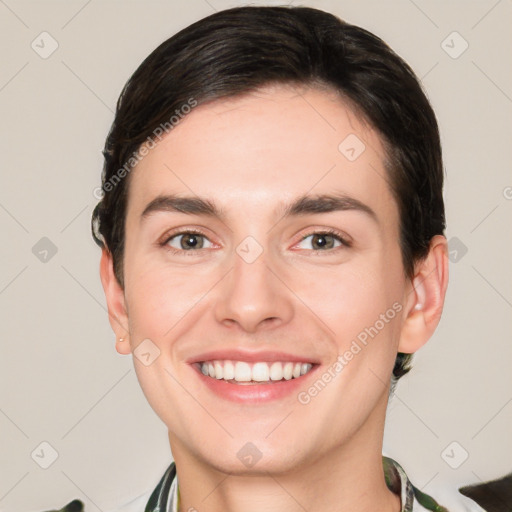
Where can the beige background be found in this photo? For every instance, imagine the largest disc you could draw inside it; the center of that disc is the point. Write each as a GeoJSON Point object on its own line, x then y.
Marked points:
{"type": "Point", "coordinates": [63, 383]}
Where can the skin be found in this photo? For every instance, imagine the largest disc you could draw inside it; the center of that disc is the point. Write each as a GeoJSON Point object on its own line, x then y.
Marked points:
{"type": "Point", "coordinates": [249, 155]}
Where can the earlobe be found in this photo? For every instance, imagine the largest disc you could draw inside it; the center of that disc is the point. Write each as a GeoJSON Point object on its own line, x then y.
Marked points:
{"type": "Point", "coordinates": [425, 300]}
{"type": "Point", "coordinates": [114, 295]}
{"type": "Point", "coordinates": [123, 345]}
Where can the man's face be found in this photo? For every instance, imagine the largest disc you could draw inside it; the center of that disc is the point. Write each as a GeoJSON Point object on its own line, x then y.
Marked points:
{"type": "Point", "coordinates": [260, 290]}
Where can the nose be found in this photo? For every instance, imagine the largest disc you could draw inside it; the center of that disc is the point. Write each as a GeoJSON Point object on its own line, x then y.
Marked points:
{"type": "Point", "coordinates": [254, 296]}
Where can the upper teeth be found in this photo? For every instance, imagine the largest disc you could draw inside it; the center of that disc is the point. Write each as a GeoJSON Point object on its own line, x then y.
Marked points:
{"type": "Point", "coordinates": [259, 372]}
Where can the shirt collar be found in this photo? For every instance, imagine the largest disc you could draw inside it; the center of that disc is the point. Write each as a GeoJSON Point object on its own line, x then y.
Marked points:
{"type": "Point", "coordinates": [165, 497]}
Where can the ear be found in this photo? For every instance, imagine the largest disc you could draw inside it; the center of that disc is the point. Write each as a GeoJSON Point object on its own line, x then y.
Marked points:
{"type": "Point", "coordinates": [425, 298]}
{"type": "Point", "coordinates": [117, 314]}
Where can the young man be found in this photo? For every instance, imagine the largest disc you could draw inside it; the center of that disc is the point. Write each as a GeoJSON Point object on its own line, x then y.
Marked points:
{"type": "Point", "coordinates": [273, 243]}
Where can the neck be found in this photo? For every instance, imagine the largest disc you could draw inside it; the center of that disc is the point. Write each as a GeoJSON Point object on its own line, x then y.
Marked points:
{"type": "Point", "coordinates": [348, 477]}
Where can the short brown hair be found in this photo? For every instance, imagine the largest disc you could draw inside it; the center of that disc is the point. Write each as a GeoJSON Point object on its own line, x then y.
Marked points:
{"type": "Point", "coordinates": [238, 50]}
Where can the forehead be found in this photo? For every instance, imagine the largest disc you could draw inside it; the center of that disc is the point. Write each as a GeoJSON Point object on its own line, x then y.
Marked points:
{"type": "Point", "coordinates": [266, 148]}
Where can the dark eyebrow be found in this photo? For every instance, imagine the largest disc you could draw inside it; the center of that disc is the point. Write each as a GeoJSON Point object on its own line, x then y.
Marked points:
{"type": "Point", "coordinates": [325, 203]}
{"type": "Point", "coordinates": [182, 204]}
{"type": "Point", "coordinates": [303, 205]}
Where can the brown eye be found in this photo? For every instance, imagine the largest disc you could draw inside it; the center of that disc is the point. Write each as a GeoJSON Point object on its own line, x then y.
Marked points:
{"type": "Point", "coordinates": [186, 241]}
{"type": "Point", "coordinates": [324, 241]}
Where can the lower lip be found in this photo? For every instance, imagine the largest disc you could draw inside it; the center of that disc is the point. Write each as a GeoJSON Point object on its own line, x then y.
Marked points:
{"type": "Point", "coordinates": [254, 393]}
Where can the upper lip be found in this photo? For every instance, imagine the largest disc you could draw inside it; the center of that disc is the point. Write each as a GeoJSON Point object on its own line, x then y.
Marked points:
{"type": "Point", "coordinates": [250, 356]}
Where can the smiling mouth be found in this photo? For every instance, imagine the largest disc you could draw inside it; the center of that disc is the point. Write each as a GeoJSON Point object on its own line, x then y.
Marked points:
{"type": "Point", "coordinates": [242, 372]}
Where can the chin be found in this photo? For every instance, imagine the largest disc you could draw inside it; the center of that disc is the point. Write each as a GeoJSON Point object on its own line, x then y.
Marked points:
{"type": "Point", "coordinates": [249, 460]}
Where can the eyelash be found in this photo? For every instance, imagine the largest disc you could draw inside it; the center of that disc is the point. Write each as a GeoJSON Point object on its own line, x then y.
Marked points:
{"type": "Point", "coordinates": [331, 232]}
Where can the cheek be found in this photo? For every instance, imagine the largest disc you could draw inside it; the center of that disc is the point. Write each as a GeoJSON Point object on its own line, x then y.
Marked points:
{"type": "Point", "coordinates": [159, 295]}
{"type": "Point", "coordinates": [347, 299]}
{"type": "Point", "coordinates": [359, 306]}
